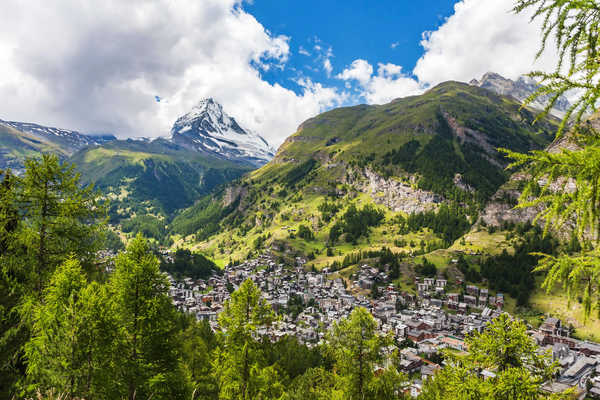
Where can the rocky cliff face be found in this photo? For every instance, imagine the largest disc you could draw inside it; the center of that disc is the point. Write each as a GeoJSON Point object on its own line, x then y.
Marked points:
{"type": "Point", "coordinates": [502, 206]}
{"type": "Point", "coordinates": [520, 89]}
{"type": "Point", "coordinates": [394, 194]}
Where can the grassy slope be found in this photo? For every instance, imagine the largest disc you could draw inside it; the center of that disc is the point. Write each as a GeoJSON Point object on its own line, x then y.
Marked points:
{"type": "Point", "coordinates": [20, 145]}
{"type": "Point", "coordinates": [342, 138]}
{"type": "Point", "coordinates": [338, 138]}
{"type": "Point", "coordinates": [151, 179]}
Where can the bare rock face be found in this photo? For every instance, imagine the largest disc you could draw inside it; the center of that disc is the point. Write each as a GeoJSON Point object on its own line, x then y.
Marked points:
{"type": "Point", "coordinates": [395, 195]}
{"type": "Point", "coordinates": [520, 89]}
{"type": "Point", "coordinates": [458, 181]}
{"type": "Point", "coordinates": [501, 208]}
{"type": "Point", "coordinates": [232, 193]}
{"type": "Point", "coordinates": [467, 135]}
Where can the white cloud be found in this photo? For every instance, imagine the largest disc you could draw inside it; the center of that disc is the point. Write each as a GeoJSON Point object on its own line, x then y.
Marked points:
{"type": "Point", "coordinates": [482, 36]}
{"type": "Point", "coordinates": [98, 66]}
{"type": "Point", "coordinates": [389, 83]}
{"type": "Point", "coordinates": [327, 66]}
{"type": "Point", "coordinates": [360, 70]}
{"type": "Point", "coordinates": [394, 45]}
{"type": "Point", "coordinates": [303, 51]}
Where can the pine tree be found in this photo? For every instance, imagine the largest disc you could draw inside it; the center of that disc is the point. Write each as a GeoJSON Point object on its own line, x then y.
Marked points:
{"type": "Point", "coordinates": [60, 217]}
{"type": "Point", "coordinates": [73, 337]}
{"type": "Point", "coordinates": [150, 348]}
{"type": "Point", "coordinates": [45, 217]}
{"type": "Point", "coordinates": [241, 371]}
{"type": "Point", "coordinates": [357, 348]}
{"type": "Point", "coordinates": [504, 349]}
{"type": "Point", "coordinates": [13, 333]}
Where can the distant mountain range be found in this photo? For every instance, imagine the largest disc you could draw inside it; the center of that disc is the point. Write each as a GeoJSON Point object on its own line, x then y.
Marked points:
{"type": "Point", "coordinates": [207, 130]}
{"type": "Point", "coordinates": [520, 89]}
{"type": "Point", "coordinates": [143, 176]}
{"type": "Point", "coordinates": [439, 145]}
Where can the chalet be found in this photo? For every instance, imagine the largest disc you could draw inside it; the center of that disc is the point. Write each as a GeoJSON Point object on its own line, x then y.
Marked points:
{"type": "Point", "coordinates": [454, 343]}
{"type": "Point", "coordinates": [473, 290]}
{"type": "Point", "coordinates": [551, 326]}
{"type": "Point", "coordinates": [470, 300]}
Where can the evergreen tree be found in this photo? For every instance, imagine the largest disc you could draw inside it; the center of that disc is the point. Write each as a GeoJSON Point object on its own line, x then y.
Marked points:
{"type": "Point", "coordinates": [571, 176]}
{"type": "Point", "coordinates": [59, 217]}
{"type": "Point", "coordinates": [314, 384]}
{"type": "Point", "coordinates": [73, 337]}
{"type": "Point", "coordinates": [13, 333]}
{"type": "Point", "coordinates": [150, 352]}
{"type": "Point", "coordinates": [504, 349]}
{"type": "Point", "coordinates": [198, 343]}
{"type": "Point", "coordinates": [357, 348]}
{"type": "Point", "coordinates": [241, 371]}
{"type": "Point", "coordinates": [45, 217]}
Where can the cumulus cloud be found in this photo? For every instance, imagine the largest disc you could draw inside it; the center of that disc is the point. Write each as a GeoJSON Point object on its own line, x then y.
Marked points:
{"type": "Point", "coordinates": [482, 36]}
{"type": "Point", "coordinates": [98, 66]}
{"type": "Point", "coordinates": [359, 70]}
{"type": "Point", "coordinates": [387, 84]}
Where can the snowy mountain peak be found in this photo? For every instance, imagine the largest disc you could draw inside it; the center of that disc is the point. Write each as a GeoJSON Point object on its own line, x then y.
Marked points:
{"type": "Point", "coordinates": [209, 129]}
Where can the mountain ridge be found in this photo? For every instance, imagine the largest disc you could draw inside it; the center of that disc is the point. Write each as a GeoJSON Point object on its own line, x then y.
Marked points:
{"type": "Point", "coordinates": [409, 156]}
{"type": "Point", "coordinates": [521, 89]}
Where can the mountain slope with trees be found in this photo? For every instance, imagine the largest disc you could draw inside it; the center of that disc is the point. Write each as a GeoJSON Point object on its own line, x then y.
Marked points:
{"type": "Point", "coordinates": [404, 158]}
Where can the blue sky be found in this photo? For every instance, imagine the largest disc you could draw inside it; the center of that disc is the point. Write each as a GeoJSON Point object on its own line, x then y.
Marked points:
{"type": "Point", "coordinates": [380, 31]}
{"type": "Point", "coordinates": [101, 69]}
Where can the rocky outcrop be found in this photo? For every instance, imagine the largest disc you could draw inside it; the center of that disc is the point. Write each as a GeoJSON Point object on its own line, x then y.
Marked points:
{"type": "Point", "coordinates": [394, 194]}
{"type": "Point", "coordinates": [501, 208]}
{"type": "Point", "coordinates": [459, 183]}
{"type": "Point", "coordinates": [232, 193]}
{"type": "Point", "coordinates": [479, 139]}
{"type": "Point", "coordinates": [520, 89]}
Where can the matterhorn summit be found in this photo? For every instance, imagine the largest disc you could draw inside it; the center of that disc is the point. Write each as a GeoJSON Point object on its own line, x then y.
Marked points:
{"type": "Point", "coordinates": [208, 129]}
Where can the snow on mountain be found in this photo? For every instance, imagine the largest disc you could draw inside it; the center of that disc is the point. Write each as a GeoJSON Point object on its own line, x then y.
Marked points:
{"type": "Point", "coordinates": [70, 141]}
{"type": "Point", "coordinates": [520, 89]}
{"type": "Point", "coordinates": [207, 128]}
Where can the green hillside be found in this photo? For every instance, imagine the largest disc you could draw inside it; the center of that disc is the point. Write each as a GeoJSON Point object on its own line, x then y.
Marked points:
{"type": "Point", "coordinates": [15, 146]}
{"type": "Point", "coordinates": [146, 182]}
{"type": "Point", "coordinates": [403, 158]}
